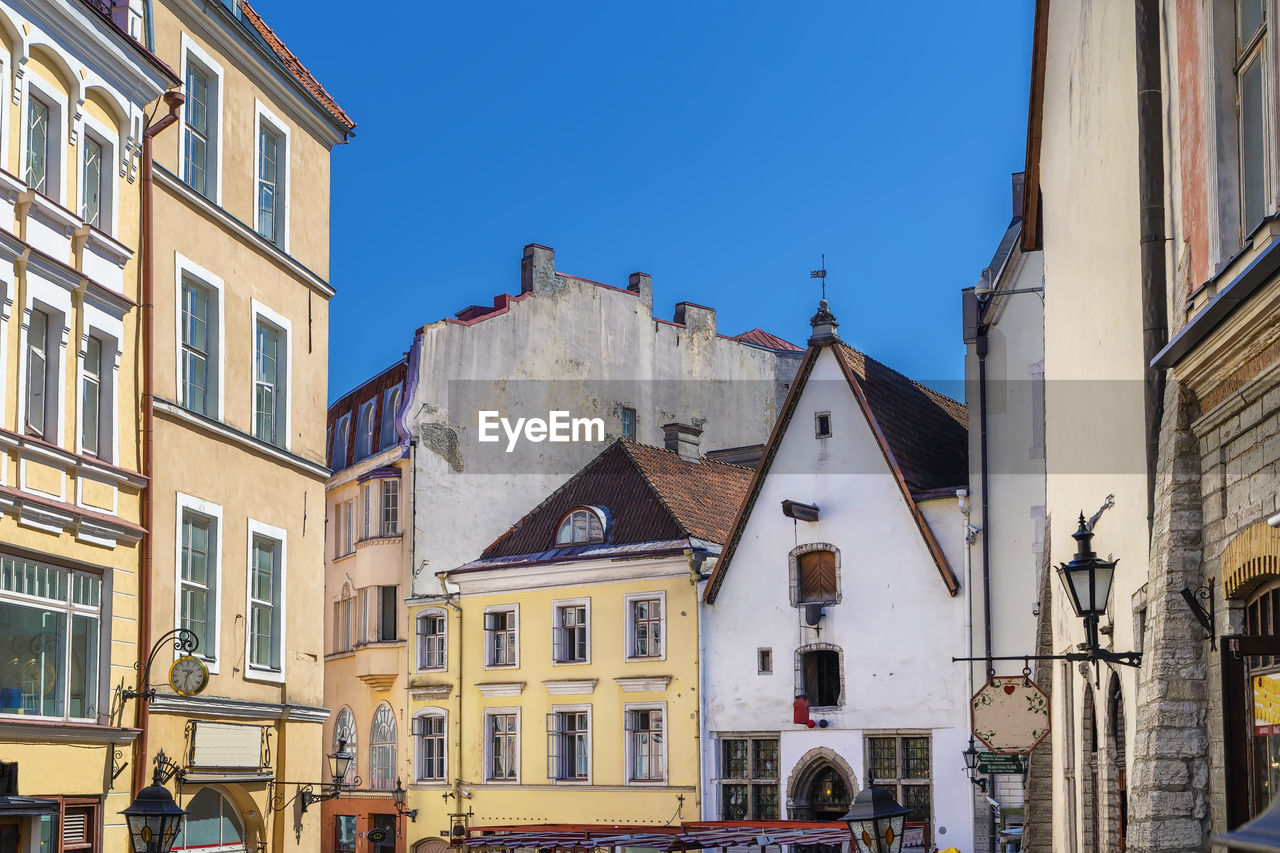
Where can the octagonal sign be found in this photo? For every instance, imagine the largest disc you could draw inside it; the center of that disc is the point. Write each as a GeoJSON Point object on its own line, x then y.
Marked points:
{"type": "Point", "coordinates": [1010, 714]}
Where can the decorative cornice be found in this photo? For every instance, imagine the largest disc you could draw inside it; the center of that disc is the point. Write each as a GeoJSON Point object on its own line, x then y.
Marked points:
{"type": "Point", "coordinates": [500, 688]}
{"type": "Point", "coordinates": [644, 683]}
{"type": "Point", "coordinates": [45, 452]}
{"type": "Point", "coordinates": [175, 412]}
{"type": "Point", "coordinates": [431, 691]}
{"type": "Point", "coordinates": [50, 732]}
{"type": "Point", "coordinates": [378, 680]}
{"type": "Point", "coordinates": [571, 686]}
{"type": "Point", "coordinates": [219, 706]}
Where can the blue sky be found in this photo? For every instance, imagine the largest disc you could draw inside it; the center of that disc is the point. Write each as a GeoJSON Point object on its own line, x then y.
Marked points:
{"type": "Point", "coordinates": [720, 147]}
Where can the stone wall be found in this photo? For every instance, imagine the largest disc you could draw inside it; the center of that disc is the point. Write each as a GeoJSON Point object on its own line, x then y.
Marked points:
{"type": "Point", "coordinates": [1037, 835]}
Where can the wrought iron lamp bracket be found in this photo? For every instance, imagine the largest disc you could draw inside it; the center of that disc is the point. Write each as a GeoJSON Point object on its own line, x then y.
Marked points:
{"type": "Point", "coordinates": [306, 793]}
{"type": "Point", "coordinates": [1203, 615]}
{"type": "Point", "coordinates": [184, 640]}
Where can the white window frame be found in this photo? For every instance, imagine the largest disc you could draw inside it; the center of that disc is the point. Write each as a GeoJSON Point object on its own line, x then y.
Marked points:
{"type": "Point", "coordinates": [513, 608]}
{"type": "Point", "coordinates": [56, 165]}
{"type": "Point", "coordinates": [255, 672]}
{"type": "Point", "coordinates": [189, 504]}
{"type": "Point", "coordinates": [56, 303]}
{"type": "Point", "coordinates": [591, 512]}
{"type": "Point", "coordinates": [261, 116]}
{"type": "Point", "coordinates": [348, 531]}
{"type": "Point", "coordinates": [418, 638]}
{"type": "Point", "coordinates": [108, 205]}
{"type": "Point", "coordinates": [361, 451]}
{"type": "Point", "coordinates": [628, 745]}
{"type": "Point", "coordinates": [434, 712]}
{"type": "Point", "coordinates": [370, 495]}
{"type": "Point", "coordinates": [284, 369]}
{"type": "Point", "coordinates": [341, 426]}
{"type": "Point", "coordinates": [557, 627]}
{"type": "Point", "coordinates": [343, 614]}
{"type": "Point", "coordinates": [110, 332]}
{"type": "Point", "coordinates": [628, 639]}
{"type": "Point", "coordinates": [486, 743]}
{"type": "Point", "coordinates": [202, 58]}
{"type": "Point", "coordinates": [389, 416]}
{"type": "Point", "coordinates": [6, 307]}
{"type": "Point", "coordinates": [389, 485]}
{"type": "Point", "coordinates": [186, 268]}
{"type": "Point", "coordinates": [394, 751]}
{"type": "Point", "coordinates": [591, 727]}
{"type": "Point", "coordinates": [352, 744]}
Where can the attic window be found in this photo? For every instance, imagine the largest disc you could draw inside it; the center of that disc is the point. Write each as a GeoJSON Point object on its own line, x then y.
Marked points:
{"type": "Point", "coordinates": [580, 527]}
{"type": "Point", "coordinates": [822, 425]}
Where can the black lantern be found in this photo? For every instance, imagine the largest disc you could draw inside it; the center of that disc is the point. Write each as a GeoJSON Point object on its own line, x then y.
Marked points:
{"type": "Point", "coordinates": [1088, 581]}
{"type": "Point", "coordinates": [398, 794]}
{"type": "Point", "coordinates": [339, 761]}
{"type": "Point", "coordinates": [1260, 834]}
{"type": "Point", "coordinates": [154, 818]}
{"type": "Point", "coordinates": [971, 757]}
{"type": "Point", "coordinates": [875, 821]}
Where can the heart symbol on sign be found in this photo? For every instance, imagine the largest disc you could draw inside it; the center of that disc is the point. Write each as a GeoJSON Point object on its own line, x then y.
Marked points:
{"type": "Point", "coordinates": [1008, 689]}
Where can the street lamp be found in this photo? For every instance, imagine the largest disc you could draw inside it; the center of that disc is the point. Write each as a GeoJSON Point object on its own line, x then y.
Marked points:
{"type": "Point", "coordinates": [1088, 581]}
{"type": "Point", "coordinates": [1262, 834]}
{"type": "Point", "coordinates": [398, 794]}
{"type": "Point", "coordinates": [154, 818]}
{"type": "Point", "coordinates": [971, 763]}
{"type": "Point", "coordinates": [339, 762]}
{"type": "Point", "coordinates": [875, 821]}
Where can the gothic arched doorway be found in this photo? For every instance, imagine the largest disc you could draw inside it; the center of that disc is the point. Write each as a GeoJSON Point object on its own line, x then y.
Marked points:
{"type": "Point", "coordinates": [822, 788]}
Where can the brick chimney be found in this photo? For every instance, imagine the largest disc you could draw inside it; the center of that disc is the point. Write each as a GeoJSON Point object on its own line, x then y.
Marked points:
{"type": "Point", "coordinates": [641, 284]}
{"type": "Point", "coordinates": [538, 269]}
{"type": "Point", "coordinates": [683, 439]}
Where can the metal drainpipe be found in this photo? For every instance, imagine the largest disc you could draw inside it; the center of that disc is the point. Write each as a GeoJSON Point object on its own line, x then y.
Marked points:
{"type": "Point", "coordinates": [458, 775]}
{"type": "Point", "coordinates": [1151, 246]}
{"type": "Point", "coordinates": [986, 498]}
{"type": "Point", "coordinates": [174, 100]}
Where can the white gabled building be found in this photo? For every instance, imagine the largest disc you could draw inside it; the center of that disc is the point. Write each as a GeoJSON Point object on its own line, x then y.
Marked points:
{"type": "Point", "coordinates": [858, 612]}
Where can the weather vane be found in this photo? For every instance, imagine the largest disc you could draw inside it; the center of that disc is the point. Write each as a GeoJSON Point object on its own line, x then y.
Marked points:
{"type": "Point", "coordinates": [822, 274]}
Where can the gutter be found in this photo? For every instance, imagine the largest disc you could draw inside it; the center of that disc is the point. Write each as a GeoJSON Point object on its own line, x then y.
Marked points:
{"type": "Point", "coordinates": [981, 346]}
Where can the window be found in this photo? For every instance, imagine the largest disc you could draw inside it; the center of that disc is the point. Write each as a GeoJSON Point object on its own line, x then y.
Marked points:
{"type": "Point", "coordinates": [820, 679]}
{"type": "Point", "coordinates": [901, 764]}
{"type": "Point", "coordinates": [382, 750]}
{"type": "Point", "coordinates": [364, 430]}
{"type": "Point", "coordinates": [344, 737]}
{"type": "Point", "coordinates": [431, 640]}
{"type": "Point", "coordinates": [502, 747]}
{"type": "Point", "coordinates": [390, 405]}
{"type": "Point", "coordinates": [91, 398]}
{"type": "Point", "coordinates": [41, 413]}
{"type": "Point", "coordinates": [268, 402]}
{"type": "Point", "coordinates": [80, 825]}
{"type": "Point", "coordinates": [367, 495]}
{"type": "Point", "coordinates": [198, 129]}
{"type": "Point", "coordinates": [338, 451]}
{"type": "Point", "coordinates": [749, 778]}
{"type": "Point", "coordinates": [212, 824]}
{"type": "Point", "coordinates": [646, 745]}
{"type": "Point", "coordinates": [39, 145]}
{"type": "Point", "coordinates": [570, 634]}
{"type": "Point", "coordinates": [50, 624]}
{"type": "Point", "coordinates": [428, 730]}
{"type": "Point", "coordinates": [815, 574]}
{"type": "Point", "coordinates": [1251, 97]}
{"type": "Point", "coordinates": [270, 182]}
{"type": "Point", "coordinates": [764, 661]}
{"type": "Point", "coordinates": [342, 612]}
{"type": "Point", "coordinates": [344, 833]}
{"type": "Point", "coordinates": [501, 648]}
{"type": "Point", "coordinates": [387, 600]}
{"type": "Point", "coordinates": [91, 176]}
{"type": "Point", "coordinates": [265, 604]}
{"type": "Point", "coordinates": [197, 378]}
{"type": "Point", "coordinates": [822, 425]}
{"type": "Point", "coordinates": [569, 744]}
{"type": "Point", "coordinates": [645, 626]}
{"type": "Point", "coordinates": [198, 594]}
{"type": "Point", "coordinates": [344, 527]}
{"type": "Point", "coordinates": [390, 507]}
{"type": "Point", "coordinates": [629, 424]}
{"type": "Point", "coordinates": [579, 527]}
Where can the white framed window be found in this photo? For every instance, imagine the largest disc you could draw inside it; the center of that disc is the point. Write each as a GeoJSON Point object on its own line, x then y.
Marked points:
{"type": "Point", "coordinates": [382, 749]}
{"type": "Point", "coordinates": [266, 601]}
{"type": "Point", "coordinates": [338, 449]}
{"type": "Point", "coordinates": [271, 373]}
{"type": "Point", "coordinates": [199, 296]}
{"type": "Point", "coordinates": [202, 121]}
{"type": "Point", "coordinates": [40, 146]}
{"type": "Point", "coordinates": [646, 743]}
{"type": "Point", "coordinates": [51, 621]}
{"type": "Point", "coordinates": [346, 527]}
{"type": "Point", "coordinates": [571, 631]}
{"type": "Point", "coordinates": [98, 404]}
{"type": "Point", "coordinates": [502, 636]}
{"type": "Point", "coordinates": [749, 777]}
{"type": "Point", "coordinates": [903, 764]}
{"type": "Point", "coordinates": [569, 743]}
{"type": "Point", "coordinates": [343, 610]}
{"type": "Point", "coordinates": [581, 526]}
{"type": "Point", "coordinates": [92, 176]}
{"type": "Point", "coordinates": [502, 744]}
{"type": "Point", "coordinates": [433, 630]}
{"type": "Point", "coordinates": [43, 138]}
{"type": "Point", "coordinates": [364, 430]}
{"type": "Point", "coordinates": [344, 738]}
{"type": "Point", "coordinates": [430, 758]}
{"type": "Point", "coordinates": [646, 628]}
{"type": "Point", "coordinates": [41, 385]}
{"type": "Point", "coordinates": [390, 405]}
{"type": "Point", "coordinates": [390, 507]}
{"type": "Point", "coordinates": [1252, 79]}
{"type": "Point", "coordinates": [368, 500]}
{"type": "Point", "coordinates": [199, 573]}
{"type": "Point", "coordinates": [271, 169]}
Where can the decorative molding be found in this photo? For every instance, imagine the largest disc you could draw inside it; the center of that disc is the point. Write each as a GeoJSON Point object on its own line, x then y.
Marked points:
{"type": "Point", "coordinates": [644, 683]}
{"type": "Point", "coordinates": [217, 706]}
{"type": "Point", "coordinates": [489, 689]}
{"type": "Point", "coordinates": [571, 686]}
{"type": "Point", "coordinates": [431, 691]}
{"type": "Point", "coordinates": [45, 732]}
{"type": "Point", "coordinates": [175, 412]}
{"type": "Point", "coordinates": [378, 680]}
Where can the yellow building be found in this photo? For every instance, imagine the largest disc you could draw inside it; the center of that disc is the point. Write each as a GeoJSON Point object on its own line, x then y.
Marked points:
{"type": "Point", "coordinates": [71, 484]}
{"type": "Point", "coordinates": [555, 678]}
{"type": "Point", "coordinates": [238, 279]}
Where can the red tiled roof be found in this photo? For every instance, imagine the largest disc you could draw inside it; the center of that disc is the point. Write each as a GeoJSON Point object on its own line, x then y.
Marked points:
{"type": "Point", "coordinates": [761, 338]}
{"type": "Point", "coordinates": [649, 494]}
{"type": "Point", "coordinates": [295, 66]}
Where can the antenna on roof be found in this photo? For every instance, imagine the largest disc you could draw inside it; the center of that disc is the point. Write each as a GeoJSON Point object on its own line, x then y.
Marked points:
{"type": "Point", "coordinates": [822, 274]}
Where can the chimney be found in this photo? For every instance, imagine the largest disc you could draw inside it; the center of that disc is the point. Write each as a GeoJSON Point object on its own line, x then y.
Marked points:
{"type": "Point", "coordinates": [683, 439]}
{"type": "Point", "coordinates": [696, 318]}
{"type": "Point", "coordinates": [824, 326]}
{"type": "Point", "coordinates": [538, 269]}
{"type": "Point", "coordinates": [642, 284]}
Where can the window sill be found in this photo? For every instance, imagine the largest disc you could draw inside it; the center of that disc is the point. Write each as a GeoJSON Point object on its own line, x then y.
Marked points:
{"type": "Point", "coordinates": [647, 783]}
{"type": "Point", "coordinates": [264, 676]}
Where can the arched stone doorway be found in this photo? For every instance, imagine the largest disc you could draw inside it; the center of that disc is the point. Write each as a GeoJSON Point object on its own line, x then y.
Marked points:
{"type": "Point", "coordinates": [1089, 769]}
{"type": "Point", "coordinates": [821, 786]}
{"type": "Point", "coordinates": [1115, 778]}
{"type": "Point", "coordinates": [212, 823]}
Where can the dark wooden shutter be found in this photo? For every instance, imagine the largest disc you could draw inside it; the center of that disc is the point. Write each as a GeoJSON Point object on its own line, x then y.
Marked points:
{"type": "Point", "coordinates": [818, 576]}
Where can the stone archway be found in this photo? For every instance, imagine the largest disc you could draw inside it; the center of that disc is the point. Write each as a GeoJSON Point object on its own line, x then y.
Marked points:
{"type": "Point", "coordinates": [821, 786]}
{"type": "Point", "coordinates": [1113, 772]}
{"type": "Point", "coordinates": [1089, 798]}
{"type": "Point", "coordinates": [431, 845]}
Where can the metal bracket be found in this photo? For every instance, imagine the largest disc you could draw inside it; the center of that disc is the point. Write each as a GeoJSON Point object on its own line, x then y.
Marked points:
{"type": "Point", "coordinates": [1205, 616]}
{"type": "Point", "coordinates": [184, 640]}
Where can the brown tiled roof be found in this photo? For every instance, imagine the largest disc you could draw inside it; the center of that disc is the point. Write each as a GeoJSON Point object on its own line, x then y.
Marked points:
{"type": "Point", "coordinates": [349, 404]}
{"type": "Point", "coordinates": [761, 338]}
{"type": "Point", "coordinates": [295, 66]}
{"type": "Point", "coordinates": [649, 495]}
{"type": "Point", "coordinates": [927, 432]}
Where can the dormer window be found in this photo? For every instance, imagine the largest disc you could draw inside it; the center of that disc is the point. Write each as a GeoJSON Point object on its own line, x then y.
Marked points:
{"type": "Point", "coordinates": [581, 527]}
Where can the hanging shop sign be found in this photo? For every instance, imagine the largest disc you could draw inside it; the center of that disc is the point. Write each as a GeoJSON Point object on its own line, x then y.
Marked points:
{"type": "Point", "coordinates": [226, 745]}
{"type": "Point", "coordinates": [1266, 705]}
{"type": "Point", "coordinates": [992, 762]}
{"type": "Point", "coordinates": [1010, 714]}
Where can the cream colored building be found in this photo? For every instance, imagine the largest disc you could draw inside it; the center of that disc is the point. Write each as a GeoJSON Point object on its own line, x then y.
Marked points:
{"type": "Point", "coordinates": [76, 91]}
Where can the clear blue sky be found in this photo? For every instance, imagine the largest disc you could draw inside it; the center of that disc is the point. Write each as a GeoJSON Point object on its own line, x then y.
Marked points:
{"type": "Point", "coordinates": [718, 146]}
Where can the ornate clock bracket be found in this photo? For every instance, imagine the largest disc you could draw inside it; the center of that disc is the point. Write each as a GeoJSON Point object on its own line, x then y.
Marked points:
{"type": "Point", "coordinates": [184, 640]}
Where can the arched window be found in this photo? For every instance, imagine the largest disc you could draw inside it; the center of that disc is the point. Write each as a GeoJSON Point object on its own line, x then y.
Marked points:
{"type": "Point", "coordinates": [429, 745]}
{"type": "Point", "coordinates": [431, 639]}
{"type": "Point", "coordinates": [212, 825]}
{"type": "Point", "coordinates": [580, 527]}
{"type": "Point", "coordinates": [382, 750]}
{"type": "Point", "coordinates": [344, 737]}
{"type": "Point", "coordinates": [1262, 619]}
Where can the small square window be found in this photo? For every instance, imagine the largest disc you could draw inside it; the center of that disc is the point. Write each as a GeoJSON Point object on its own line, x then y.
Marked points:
{"type": "Point", "coordinates": [822, 425]}
{"type": "Point", "coordinates": [764, 661]}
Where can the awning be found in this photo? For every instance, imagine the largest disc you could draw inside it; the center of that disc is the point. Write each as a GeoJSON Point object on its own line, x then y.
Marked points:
{"type": "Point", "coordinates": [26, 806]}
{"type": "Point", "coordinates": [685, 836]}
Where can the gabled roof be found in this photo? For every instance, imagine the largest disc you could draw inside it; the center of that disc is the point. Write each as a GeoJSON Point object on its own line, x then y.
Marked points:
{"type": "Point", "coordinates": [922, 434]}
{"type": "Point", "coordinates": [648, 494]}
{"type": "Point", "coordinates": [760, 338]}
